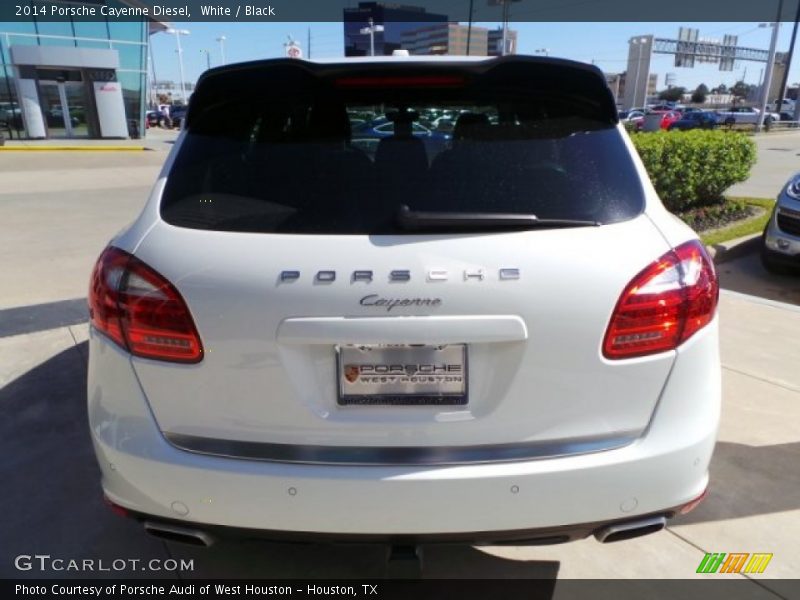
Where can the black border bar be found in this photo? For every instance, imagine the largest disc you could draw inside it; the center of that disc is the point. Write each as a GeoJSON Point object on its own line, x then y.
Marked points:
{"type": "Point", "coordinates": [302, 11]}
{"type": "Point", "coordinates": [416, 589]}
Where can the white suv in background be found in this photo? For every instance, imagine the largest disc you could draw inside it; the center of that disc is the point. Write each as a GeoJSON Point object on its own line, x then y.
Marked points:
{"type": "Point", "coordinates": [737, 115]}
{"type": "Point", "coordinates": [505, 339]}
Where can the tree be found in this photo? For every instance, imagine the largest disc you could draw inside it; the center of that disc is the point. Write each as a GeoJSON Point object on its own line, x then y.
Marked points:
{"type": "Point", "coordinates": [741, 89]}
{"type": "Point", "coordinates": [700, 94]}
{"type": "Point", "coordinates": [673, 94]}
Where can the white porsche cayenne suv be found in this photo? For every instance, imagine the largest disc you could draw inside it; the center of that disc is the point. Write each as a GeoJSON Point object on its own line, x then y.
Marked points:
{"type": "Point", "coordinates": [324, 327]}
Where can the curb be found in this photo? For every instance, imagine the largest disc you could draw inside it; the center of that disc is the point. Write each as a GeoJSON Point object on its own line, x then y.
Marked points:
{"type": "Point", "coordinates": [72, 148]}
{"type": "Point", "coordinates": [736, 248]}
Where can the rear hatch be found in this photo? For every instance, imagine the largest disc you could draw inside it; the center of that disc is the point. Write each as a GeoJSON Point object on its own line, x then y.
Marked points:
{"type": "Point", "coordinates": [363, 282]}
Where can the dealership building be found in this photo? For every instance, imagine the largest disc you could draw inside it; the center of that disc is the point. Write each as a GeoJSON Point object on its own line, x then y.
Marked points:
{"type": "Point", "coordinates": [75, 78]}
{"type": "Point", "coordinates": [391, 21]}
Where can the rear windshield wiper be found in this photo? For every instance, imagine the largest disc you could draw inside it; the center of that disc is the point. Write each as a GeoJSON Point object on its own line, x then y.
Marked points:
{"type": "Point", "coordinates": [414, 220]}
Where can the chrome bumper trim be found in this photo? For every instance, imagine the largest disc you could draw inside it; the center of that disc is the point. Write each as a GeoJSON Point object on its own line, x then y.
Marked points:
{"type": "Point", "coordinates": [395, 455]}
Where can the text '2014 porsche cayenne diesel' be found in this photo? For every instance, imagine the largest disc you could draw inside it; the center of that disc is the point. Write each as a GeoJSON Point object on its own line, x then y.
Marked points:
{"type": "Point", "coordinates": [332, 320]}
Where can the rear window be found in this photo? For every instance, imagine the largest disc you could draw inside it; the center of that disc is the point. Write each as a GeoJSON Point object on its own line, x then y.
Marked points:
{"type": "Point", "coordinates": [284, 148]}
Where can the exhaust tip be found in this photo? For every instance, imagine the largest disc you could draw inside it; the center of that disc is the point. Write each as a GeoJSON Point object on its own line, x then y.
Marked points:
{"type": "Point", "coordinates": [630, 529]}
{"type": "Point", "coordinates": [182, 535]}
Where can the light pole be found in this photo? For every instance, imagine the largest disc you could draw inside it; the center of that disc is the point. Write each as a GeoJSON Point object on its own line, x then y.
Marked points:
{"type": "Point", "coordinates": [506, 6]}
{"type": "Point", "coordinates": [208, 58]}
{"type": "Point", "coordinates": [371, 29]}
{"type": "Point", "coordinates": [469, 25]}
{"type": "Point", "coordinates": [221, 39]}
{"type": "Point", "coordinates": [768, 72]}
{"type": "Point", "coordinates": [154, 83]}
{"type": "Point", "coordinates": [788, 63]}
{"type": "Point", "coordinates": [638, 42]}
{"type": "Point", "coordinates": [178, 33]}
{"type": "Point", "coordinates": [504, 49]}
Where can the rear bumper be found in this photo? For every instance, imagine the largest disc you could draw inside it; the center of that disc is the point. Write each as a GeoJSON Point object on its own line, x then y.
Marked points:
{"type": "Point", "coordinates": [204, 534]}
{"type": "Point", "coordinates": [564, 497]}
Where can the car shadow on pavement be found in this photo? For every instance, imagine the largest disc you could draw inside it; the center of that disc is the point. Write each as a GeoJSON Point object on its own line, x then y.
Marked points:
{"type": "Point", "coordinates": [746, 275]}
{"type": "Point", "coordinates": [749, 480]}
{"type": "Point", "coordinates": [261, 559]}
{"type": "Point", "coordinates": [52, 502]}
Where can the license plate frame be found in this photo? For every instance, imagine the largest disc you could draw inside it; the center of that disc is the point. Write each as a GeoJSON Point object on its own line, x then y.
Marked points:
{"type": "Point", "coordinates": [444, 367]}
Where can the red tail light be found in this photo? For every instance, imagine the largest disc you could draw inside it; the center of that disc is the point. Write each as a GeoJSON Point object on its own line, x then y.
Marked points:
{"type": "Point", "coordinates": [690, 506]}
{"type": "Point", "coordinates": [140, 310]}
{"type": "Point", "coordinates": [664, 305]}
{"type": "Point", "coordinates": [118, 510]}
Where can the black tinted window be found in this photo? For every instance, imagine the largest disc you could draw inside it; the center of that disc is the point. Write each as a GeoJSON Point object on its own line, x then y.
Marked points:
{"type": "Point", "coordinates": [310, 156]}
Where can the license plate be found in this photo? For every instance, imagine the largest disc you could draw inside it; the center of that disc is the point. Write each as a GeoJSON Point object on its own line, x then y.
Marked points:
{"type": "Point", "coordinates": [400, 375]}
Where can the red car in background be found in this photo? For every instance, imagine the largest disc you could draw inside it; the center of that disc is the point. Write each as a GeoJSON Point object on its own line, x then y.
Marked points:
{"type": "Point", "coordinates": [668, 117]}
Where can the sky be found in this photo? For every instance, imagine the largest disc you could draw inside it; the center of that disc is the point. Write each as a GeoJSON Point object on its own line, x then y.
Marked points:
{"type": "Point", "coordinates": [604, 43]}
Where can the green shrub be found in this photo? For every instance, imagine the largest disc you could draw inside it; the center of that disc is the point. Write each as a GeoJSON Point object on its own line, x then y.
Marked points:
{"type": "Point", "coordinates": [694, 168]}
{"type": "Point", "coordinates": [630, 126]}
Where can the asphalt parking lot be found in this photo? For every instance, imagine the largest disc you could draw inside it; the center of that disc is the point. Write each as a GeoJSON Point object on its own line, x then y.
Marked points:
{"type": "Point", "coordinates": [57, 211]}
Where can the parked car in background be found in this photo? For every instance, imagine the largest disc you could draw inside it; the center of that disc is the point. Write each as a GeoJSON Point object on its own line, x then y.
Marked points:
{"type": "Point", "coordinates": [737, 115]}
{"type": "Point", "coordinates": [632, 115]}
{"type": "Point", "coordinates": [177, 113]}
{"type": "Point", "coordinates": [512, 341]}
{"type": "Point", "coordinates": [55, 118]}
{"type": "Point", "coordinates": [444, 124]}
{"type": "Point", "coordinates": [11, 115]}
{"type": "Point", "coordinates": [787, 106]}
{"type": "Point", "coordinates": [367, 137]}
{"type": "Point", "coordinates": [695, 120]}
{"type": "Point", "coordinates": [665, 107]}
{"type": "Point", "coordinates": [154, 118]}
{"type": "Point", "coordinates": [667, 118]}
{"type": "Point", "coordinates": [628, 115]}
{"type": "Point", "coordinates": [780, 248]}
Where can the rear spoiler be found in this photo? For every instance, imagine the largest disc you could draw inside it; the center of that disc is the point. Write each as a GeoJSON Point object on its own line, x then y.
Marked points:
{"type": "Point", "coordinates": [575, 82]}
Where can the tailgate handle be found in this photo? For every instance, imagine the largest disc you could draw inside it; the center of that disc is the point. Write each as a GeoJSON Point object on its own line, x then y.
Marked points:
{"type": "Point", "coordinates": [402, 330]}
